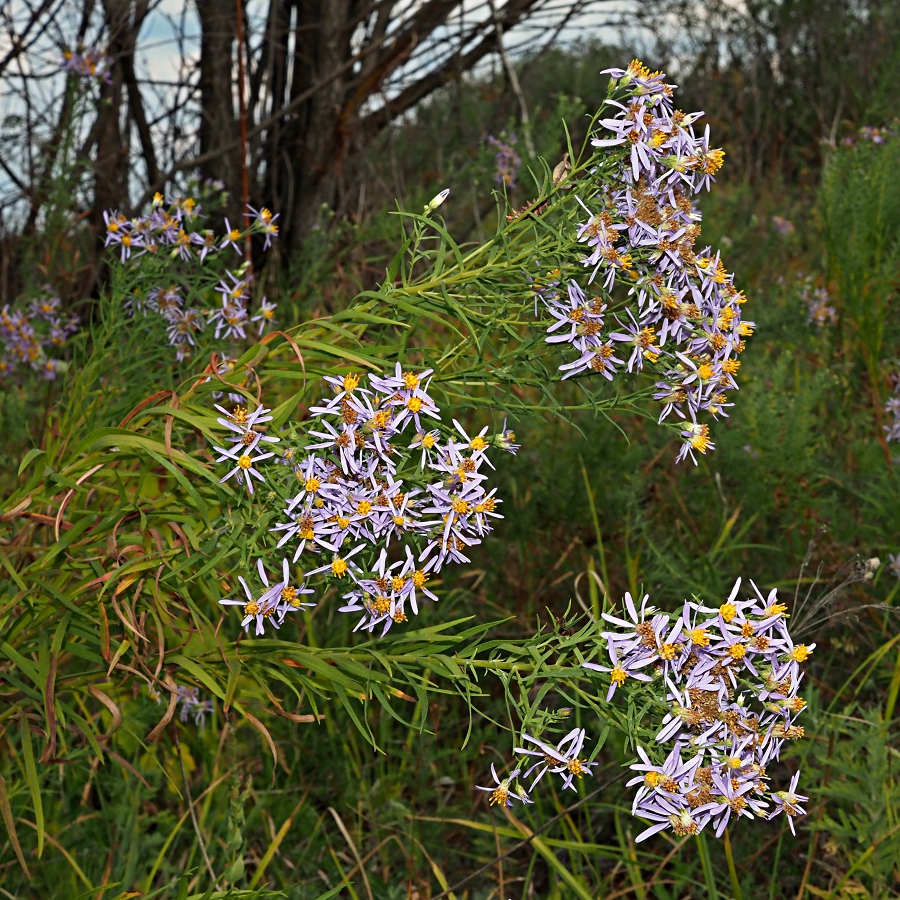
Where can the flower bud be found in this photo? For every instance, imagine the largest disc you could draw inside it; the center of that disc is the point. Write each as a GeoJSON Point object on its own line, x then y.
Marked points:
{"type": "Point", "coordinates": [435, 202]}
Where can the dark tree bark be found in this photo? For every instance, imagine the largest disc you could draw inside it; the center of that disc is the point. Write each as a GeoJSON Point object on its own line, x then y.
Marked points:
{"type": "Point", "coordinates": [321, 81]}
{"type": "Point", "coordinates": [123, 20]}
{"type": "Point", "coordinates": [318, 67]}
{"type": "Point", "coordinates": [218, 120]}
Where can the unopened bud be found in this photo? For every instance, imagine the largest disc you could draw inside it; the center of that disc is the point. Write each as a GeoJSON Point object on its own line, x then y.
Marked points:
{"type": "Point", "coordinates": [561, 172]}
{"type": "Point", "coordinates": [435, 202]}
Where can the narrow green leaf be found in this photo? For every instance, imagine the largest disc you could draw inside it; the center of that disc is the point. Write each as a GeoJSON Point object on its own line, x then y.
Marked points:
{"type": "Point", "coordinates": [10, 823]}
{"type": "Point", "coordinates": [29, 458]}
{"type": "Point", "coordinates": [32, 779]}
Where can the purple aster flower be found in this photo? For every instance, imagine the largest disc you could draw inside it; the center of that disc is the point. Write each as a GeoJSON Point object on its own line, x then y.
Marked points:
{"type": "Point", "coordinates": [783, 226]}
{"type": "Point", "coordinates": [563, 759]}
{"type": "Point", "coordinates": [621, 670]}
{"type": "Point", "coordinates": [894, 567]}
{"type": "Point", "coordinates": [788, 802]}
{"type": "Point", "coordinates": [500, 791]}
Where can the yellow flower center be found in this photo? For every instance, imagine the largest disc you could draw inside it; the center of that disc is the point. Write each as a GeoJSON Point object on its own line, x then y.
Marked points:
{"type": "Point", "coordinates": [414, 404]}
{"type": "Point", "coordinates": [727, 611]}
{"type": "Point", "coordinates": [714, 161]}
{"type": "Point", "coordinates": [339, 567]}
{"type": "Point", "coordinates": [667, 651]}
{"type": "Point", "coordinates": [683, 824]}
{"type": "Point", "coordinates": [478, 443]}
{"type": "Point", "coordinates": [499, 796]}
{"type": "Point", "coordinates": [397, 582]}
{"type": "Point", "coordinates": [800, 653]}
{"type": "Point", "coordinates": [351, 382]}
{"type": "Point", "coordinates": [461, 507]}
{"type": "Point", "coordinates": [618, 675]}
{"type": "Point", "coordinates": [636, 69]}
{"type": "Point", "coordinates": [699, 636]}
{"type": "Point", "coordinates": [364, 508]}
{"type": "Point", "coordinates": [244, 462]}
{"type": "Point", "coordinates": [700, 440]}
{"type": "Point", "coordinates": [419, 578]}
{"type": "Point", "coordinates": [410, 381]}
{"type": "Point", "coordinates": [251, 608]}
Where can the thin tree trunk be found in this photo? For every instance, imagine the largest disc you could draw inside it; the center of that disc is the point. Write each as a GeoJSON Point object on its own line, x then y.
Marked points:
{"type": "Point", "coordinates": [123, 20]}
{"type": "Point", "coordinates": [218, 122]}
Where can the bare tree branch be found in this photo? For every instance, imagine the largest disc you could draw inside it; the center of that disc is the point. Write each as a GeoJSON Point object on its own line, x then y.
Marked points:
{"type": "Point", "coordinates": [20, 40]}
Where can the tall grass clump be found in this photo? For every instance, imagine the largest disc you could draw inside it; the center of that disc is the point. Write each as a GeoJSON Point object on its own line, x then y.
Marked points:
{"type": "Point", "coordinates": [860, 207]}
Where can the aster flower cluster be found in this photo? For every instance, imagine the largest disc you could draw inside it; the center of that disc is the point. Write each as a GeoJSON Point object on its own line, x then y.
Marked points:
{"type": "Point", "coordinates": [678, 312]}
{"type": "Point", "coordinates": [730, 677]}
{"type": "Point", "coordinates": [387, 497]}
{"type": "Point", "coordinates": [506, 160]}
{"type": "Point", "coordinates": [783, 226]}
{"type": "Point", "coordinates": [725, 680]}
{"type": "Point", "coordinates": [89, 63]}
{"type": "Point", "coordinates": [27, 338]}
{"type": "Point", "coordinates": [563, 759]}
{"type": "Point", "coordinates": [892, 411]}
{"type": "Point", "coordinates": [220, 302]}
{"type": "Point", "coordinates": [192, 706]}
{"type": "Point", "coordinates": [819, 310]}
{"type": "Point", "coordinates": [873, 134]}
{"type": "Point", "coordinates": [188, 698]}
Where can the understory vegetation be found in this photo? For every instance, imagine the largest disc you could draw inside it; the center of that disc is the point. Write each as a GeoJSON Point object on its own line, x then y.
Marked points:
{"type": "Point", "coordinates": [325, 761]}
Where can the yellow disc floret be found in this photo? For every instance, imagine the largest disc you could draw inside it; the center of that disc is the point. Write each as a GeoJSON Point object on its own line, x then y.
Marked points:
{"type": "Point", "coordinates": [800, 653]}
{"type": "Point", "coordinates": [728, 611]}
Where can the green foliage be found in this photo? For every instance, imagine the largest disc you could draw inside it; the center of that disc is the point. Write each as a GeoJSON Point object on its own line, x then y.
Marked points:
{"type": "Point", "coordinates": [124, 532]}
{"type": "Point", "coordinates": [149, 541]}
{"type": "Point", "coordinates": [860, 203]}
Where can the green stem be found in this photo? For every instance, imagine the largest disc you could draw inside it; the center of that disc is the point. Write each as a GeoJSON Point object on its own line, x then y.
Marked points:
{"type": "Point", "coordinates": [706, 865]}
{"type": "Point", "coordinates": [893, 691]}
{"type": "Point", "coordinates": [732, 871]}
{"type": "Point", "coordinates": [603, 572]}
